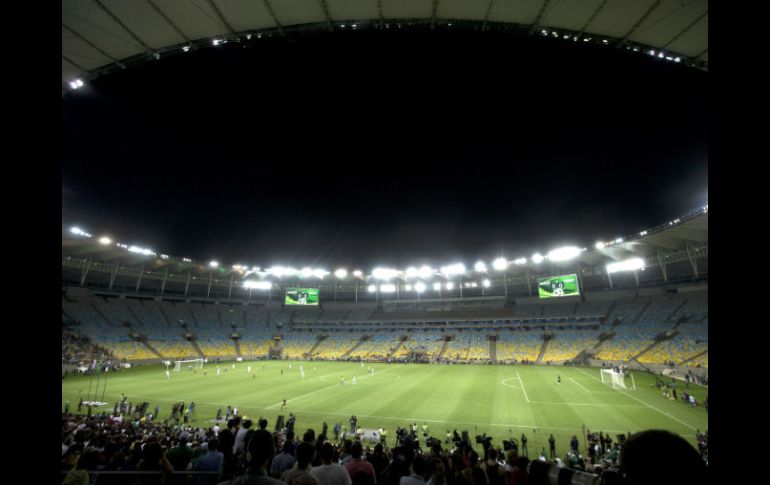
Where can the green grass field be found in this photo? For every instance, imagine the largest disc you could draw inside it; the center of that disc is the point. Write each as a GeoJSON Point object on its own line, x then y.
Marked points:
{"type": "Point", "coordinates": [501, 400]}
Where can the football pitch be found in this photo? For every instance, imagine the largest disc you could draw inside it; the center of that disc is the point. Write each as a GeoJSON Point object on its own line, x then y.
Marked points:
{"type": "Point", "coordinates": [500, 400]}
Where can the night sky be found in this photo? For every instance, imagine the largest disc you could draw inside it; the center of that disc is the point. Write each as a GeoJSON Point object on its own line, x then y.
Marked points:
{"type": "Point", "coordinates": [385, 148]}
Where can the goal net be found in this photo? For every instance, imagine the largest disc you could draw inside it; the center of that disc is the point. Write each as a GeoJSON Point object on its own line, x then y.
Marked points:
{"type": "Point", "coordinates": [614, 379]}
{"type": "Point", "coordinates": [183, 364]}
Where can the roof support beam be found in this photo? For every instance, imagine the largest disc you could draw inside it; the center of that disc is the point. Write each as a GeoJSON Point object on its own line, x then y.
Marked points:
{"type": "Point", "coordinates": [211, 279]}
{"type": "Point", "coordinates": [686, 29]}
{"type": "Point", "coordinates": [74, 64]}
{"type": "Point", "coordinates": [84, 273]}
{"type": "Point", "coordinates": [325, 9]}
{"type": "Point", "coordinates": [92, 45]}
{"type": "Point", "coordinates": [639, 23]}
{"type": "Point", "coordinates": [139, 278]}
{"type": "Point", "coordinates": [163, 282]}
{"type": "Point", "coordinates": [275, 19]}
{"type": "Point", "coordinates": [114, 273]}
{"type": "Point", "coordinates": [539, 16]}
{"type": "Point", "coordinates": [222, 18]}
{"type": "Point", "coordinates": [433, 15]}
{"type": "Point", "coordinates": [486, 15]}
{"type": "Point", "coordinates": [693, 263]}
{"type": "Point", "coordinates": [662, 267]}
{"type": "Point", "coordinates": [124, 26]}
{"type": "Point", "coordinates": [593, 16]}
{"type": "Point", "coordinates": [701, 54]}
{"type": "Point", "coordinates": [187, 282]}
{"type": "Point", "coordinates": [169, 21]}
{"type": "Point", "coordinates": [230, 291]}
{"type": "Point", "coordinates": [382, 17]}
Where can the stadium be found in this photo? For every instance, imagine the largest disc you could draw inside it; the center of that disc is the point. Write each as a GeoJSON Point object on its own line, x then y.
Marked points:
{"type": "Point", "coordinates": [538, 363]}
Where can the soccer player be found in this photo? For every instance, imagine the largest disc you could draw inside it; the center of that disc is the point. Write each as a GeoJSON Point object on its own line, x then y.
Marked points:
{"type": "Point", "coordinates": [283, 406]}
{"type": "Point", "coordinates": [254, 375]}
{"type": "Point", "coordinates": [303, 373]}
{"type": "Point", "coordinates": [249, 370]}
{"type": "Point", "coordinates": [524, 444]}
{"type": "Point", "coordinates": [342, 380]}
{"type": "Point", "coordinates": [552, 444]}
{"type": "Point", "coordinates": [558, 378]}
{"type": "Point", "coordinates": [354, 380]}
{"type": "Point", "coordinates": [218, 370]}
{"type": "Point", "coordinates": [168, 374]}
{"type": "Point", "coordinates": [281, 370]}
{"type": "Point", "coordinates": [66, 407]}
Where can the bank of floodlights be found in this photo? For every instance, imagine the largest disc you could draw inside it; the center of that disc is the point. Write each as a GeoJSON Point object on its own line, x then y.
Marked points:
{"type": "Point", "coordinates": [257, 285]}
{"type": "Point", "coordinates": [384, 274]}
{"type": "Point", "coordinates": [632, 264]}
{"type": "Point", "coordinates": [341, 273]}
{"type": "Point", "coordinates": [520, 261]}
{"type": "Point", "coordinates": [537, 258]}
{"type": "Point", "coordinates": [564, 254]}
{"type": "Point", "coordinates": [388, 288]}
{"type": "Point", "coordinates": [453, 270]}
{"type": "Point", "coordinates": [419, 287]}
{"type": "Point", "coordinates": [500, 264]}
{"type": "Point", "coordinates": [480, 267]}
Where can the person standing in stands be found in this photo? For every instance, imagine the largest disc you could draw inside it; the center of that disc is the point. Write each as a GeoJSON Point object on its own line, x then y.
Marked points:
{"type": "Point", "coordinates": [552, 444]}
{"type": "Point", "coordinates": [524, 449]}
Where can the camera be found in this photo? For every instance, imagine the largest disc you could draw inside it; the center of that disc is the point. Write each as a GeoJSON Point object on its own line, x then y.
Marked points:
{"type": "Point", "coordinates": [511, 444]}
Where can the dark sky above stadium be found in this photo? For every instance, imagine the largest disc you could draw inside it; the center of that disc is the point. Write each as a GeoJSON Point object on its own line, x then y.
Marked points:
{"type": "Point", "coordinates": [368, 148]}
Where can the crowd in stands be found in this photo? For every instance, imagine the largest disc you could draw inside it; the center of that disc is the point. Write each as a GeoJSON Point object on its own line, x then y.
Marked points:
{"type": "Point", "coordinates": [240, 451]}
{"type": "Point", "coordinates": [78, 349]}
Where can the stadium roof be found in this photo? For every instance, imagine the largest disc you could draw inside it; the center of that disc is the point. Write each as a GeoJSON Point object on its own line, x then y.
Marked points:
{"type": "Point", "coordinates": [680, 239]}
{"type": "Point", "coordinates": [100, 36]}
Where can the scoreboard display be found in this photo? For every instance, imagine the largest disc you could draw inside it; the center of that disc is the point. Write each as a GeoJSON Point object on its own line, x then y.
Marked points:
{"type": "Point", "coordinates": [558, 286]}
{"type": "Point", "coordinates": [301, 296]}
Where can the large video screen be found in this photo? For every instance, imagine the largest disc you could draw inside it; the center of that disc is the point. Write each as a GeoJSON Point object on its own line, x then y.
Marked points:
{"type": "Point", "coordinates": [301, 296]}
{"type": "Point", "coordinates": [558, 286]}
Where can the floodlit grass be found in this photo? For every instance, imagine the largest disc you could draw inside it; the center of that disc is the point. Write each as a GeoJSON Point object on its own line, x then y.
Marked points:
{"type": "Point", "coordinates": [500, 400]}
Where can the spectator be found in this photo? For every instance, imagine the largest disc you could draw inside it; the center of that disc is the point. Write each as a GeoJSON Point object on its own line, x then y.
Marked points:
{"type": "Point", "coordinates": [418, 468]}
{"type": "Point", "coordinates": [240, 437]}
{"type": "Point", "coordinates": [660, 457]}
{"type": "Point", "coordinates": [437, 476]}
{"type": "Point", "coordinates": [356, 464]}
{"type": "Point", "coordinates": [378, 460]}
{"type": "Point", "coordinates": [300, 475]}
{"type": "Point", "coordinates": [284, 460]}
{"type": "Point", "coordinates": [330, 473]}
{"type": "Point", "coordinates": [211, 461]}
{"type": "Point", "coordinates": [78, 475]}
{"type": "Point", "coordinates": [260, 450]}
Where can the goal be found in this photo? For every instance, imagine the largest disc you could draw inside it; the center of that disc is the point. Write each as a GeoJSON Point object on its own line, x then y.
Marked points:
{"type": "Point", "coordinates": [180, 364]}
{"type": "Point", "coordinates": [614, 379]}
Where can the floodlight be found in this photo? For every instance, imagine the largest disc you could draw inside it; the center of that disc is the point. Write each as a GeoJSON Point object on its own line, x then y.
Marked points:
{"type": "Point", "coordinates": [500, 264]}
{"type": "Point", "coordinates": [449, 285]}
{"type": "Point", "coordinates": [599, 245]}
{"type": "Point", "coordinates": [453, 269]}
{"type": "Point", "coordinates": [520, 261]}
{"type": "Point", "coordinates": [76, 230]}
{"type": "Point", "coordinates": [164, 256]}
{"type": "Point", "coordinates": [643, 233]}
{"type": "Point", "coordinates": [187, 260]}
{"type": "Point", "coordinates": [307, 272]}
{"type": "Point", "coordinates": [384, 273]}
{"type": "Point", "coordinates": [419, 287]}
{"type": "Point", "coordinates": [564, 254]}
{"type": "Point", "coordinates": [341, 273]}
{"type": "Point", "coordinates": [214, 264]}
{"type": "Point", "coordinates": [216, 41]}
{"type": "Point", "coordinates": [480, 267]}
{"type": "Point", "coordinates": [619, 240]}
{"type": "Point", "coordinates": [357, 273]}
{"type": "Point", "coordinates": [186, 48]}
{"type": "Point", "coordinates": [320, 273]}
{"type": "Point", "coordinates": [408, 287]}
{"type": "Point", "coordinates": [76, 84]}
{"type": "Point", "coordinates": [412, 272]}
{"type": "Point", "coordinates": [257, 285]}
{"type": "Point", "coordinates": [627, 265]}
{"type": "Point", "coordinates": [371, 288]}
{"type": "Point", "coordinates": [436, 286]}
{"type": "Point", "coordinates": [425, 272]}
{"type": "Point", "coordinates": [105, 240]}
{"type": "Point", "coordinates": [537, 258]}
{"type": "Point", "coordinates": [388, 288]}
{"type": "Point", "coordinates": [486, 283]}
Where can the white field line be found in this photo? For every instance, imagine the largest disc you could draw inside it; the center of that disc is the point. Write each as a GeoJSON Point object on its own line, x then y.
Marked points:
{"type": "Point", "coordinates": [579, 384]}
{"type": "Point", "coordinates": [646, 404]}
{"type": "Point", "coordinates": [522, 386]}
{"type": "Point", "coordinates": [334, 386]}
{"type": "Point", "coordinates": [588, 404]}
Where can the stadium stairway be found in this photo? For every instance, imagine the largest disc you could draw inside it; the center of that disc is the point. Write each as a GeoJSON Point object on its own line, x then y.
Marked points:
{"type": "Point", "coordinates": [401, 340]}
{"type": "Point", "coordinates": [197, 347]}
{"type": "Point", "coordinates": [679, 307]}
{"type": "Point", "coordinates": [237, 344]}
{"type": "Point", "coordinates": [143, 340]}
{"type": "Point", "coordinates": [354, 347]}
{"type": "Point", "coordinates": [441, 352]}
{"type": "Point", "coordinates": [658, 340]}
{"type": "Point", "coordinates": [320, 339]}
{"type": "Point", "coordinates": [136, 317]}
{"type": "Point", "coordinates": [492, 339]}
{"type": "Point", "coordinates": [99, 312]}
{"type": "Point", "coordinates": [699, 354]}
{"type": "Point", "coordinates": [542, 351]}
{"type": "Point", "coordinates": [646, 306]}
{"type": "Point", "coordinates": [165, 317]}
